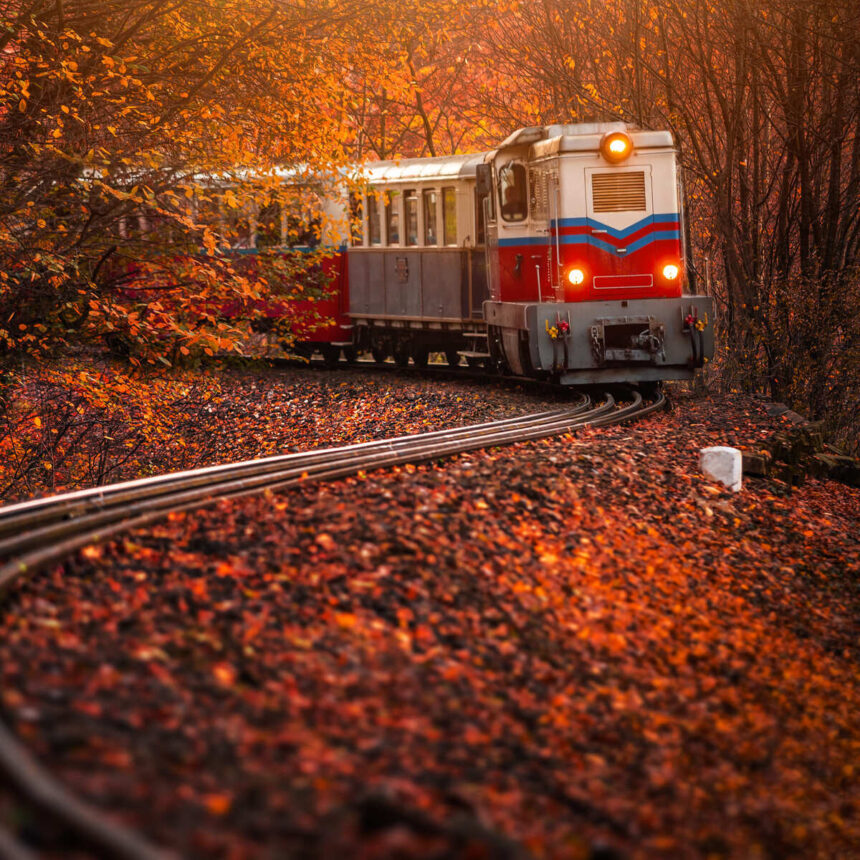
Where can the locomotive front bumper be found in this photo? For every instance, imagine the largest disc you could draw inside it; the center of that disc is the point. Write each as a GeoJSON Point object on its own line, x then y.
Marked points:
{"type": "Point", "coordinates": [606, 341]}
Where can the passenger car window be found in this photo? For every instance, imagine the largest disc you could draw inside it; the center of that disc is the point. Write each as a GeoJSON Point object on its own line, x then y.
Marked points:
{"type": "Point", "coordinates": [513, 192]}
{"type": "Point", "coordinates": [410, 217]}
{"type": "Point", "coordinates": [355, 226]}
{"type": "Point", "coordinates": [449, 215]}
{"type": "Point", "coordinates": [270, 226]}
{"type": "Point", "coordinates": [392, 218]}
{"type": "Point", "coordinates": [373, 220]}
{"type": "Point", "coordinates": [431, 234]}
{"type": "Point", "coordinates": [303, 231]}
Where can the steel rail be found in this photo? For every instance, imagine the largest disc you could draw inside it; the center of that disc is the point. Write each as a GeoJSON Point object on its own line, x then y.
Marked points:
{"type": "Point", "coordinates": [38, 546]}
{"type": "Point", "coordinates": [104, 513]}
{"type": "Point", "coordinates": [12, 849]}
{"type": "Point", "coordinates": [61, 515]}
{"type": "Point", "coordinates": [32, 511]}
{"type": "Point", "coordinates": [94, 829]}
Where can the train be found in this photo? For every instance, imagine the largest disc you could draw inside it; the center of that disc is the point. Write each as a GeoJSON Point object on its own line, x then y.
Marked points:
{"type": "Point", "coordinates": [561, 255]}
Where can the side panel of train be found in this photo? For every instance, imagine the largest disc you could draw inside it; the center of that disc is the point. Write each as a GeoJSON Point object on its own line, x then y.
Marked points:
{"type": "Point", "coordinates": [586, 258]}
{"type": "Point", "coordinates": [318, 319]}
{"type": "Point", "coordinates": [417, 274]}
{"type": "Point", "coordinates": [298, 244]}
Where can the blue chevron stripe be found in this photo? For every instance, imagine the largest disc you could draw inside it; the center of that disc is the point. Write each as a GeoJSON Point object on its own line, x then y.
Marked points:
{"type": "Point", "coordinates": [584, 239]}
{"type": "Point", "coordinates": [656, 236]}
{"type": "Point", "coordinates": [664, 218]}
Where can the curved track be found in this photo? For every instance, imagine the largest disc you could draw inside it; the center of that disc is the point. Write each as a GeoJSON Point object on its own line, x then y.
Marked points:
{"type": "Point", "coordinates": [36, 533]}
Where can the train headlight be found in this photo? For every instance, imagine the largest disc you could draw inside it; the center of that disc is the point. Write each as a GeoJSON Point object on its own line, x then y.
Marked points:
{"type": "Point", "coordinates": [576, 276]}
{"type": "Point", "coordinates": [616, 146]}
{"type": "Point", "coordinates": [670, 272]}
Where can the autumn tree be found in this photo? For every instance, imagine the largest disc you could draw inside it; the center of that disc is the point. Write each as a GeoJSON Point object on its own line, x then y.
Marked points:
{"type": "Point", "coordinates": [414, 72]}
{"type": "Point", "coordinates": [135, 137]}
{"type": "Point", "coordinates": [764, 103]}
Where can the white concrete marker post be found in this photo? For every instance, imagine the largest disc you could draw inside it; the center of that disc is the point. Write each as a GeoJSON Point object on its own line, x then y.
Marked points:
{"type": "Point", "coordinates": [722, 464]}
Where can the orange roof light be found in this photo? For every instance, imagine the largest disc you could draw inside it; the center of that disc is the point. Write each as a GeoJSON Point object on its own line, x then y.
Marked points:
{"type": "Point", "coordinates": [616, 146]}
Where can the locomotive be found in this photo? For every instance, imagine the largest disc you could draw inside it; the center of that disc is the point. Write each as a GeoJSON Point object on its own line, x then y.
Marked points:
{"type": "Point", "coordinates": [560, 254]}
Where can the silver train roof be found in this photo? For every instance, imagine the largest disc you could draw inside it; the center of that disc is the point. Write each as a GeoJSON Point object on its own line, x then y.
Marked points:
{"type": "Point", "coordinates": [408, 169]}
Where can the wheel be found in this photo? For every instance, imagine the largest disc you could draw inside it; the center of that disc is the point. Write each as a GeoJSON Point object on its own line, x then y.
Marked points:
{"type": "Point", "coordinates": [452, 357]}
{"type": "Point", "coordinates": [401, 355]}
{"type": "Point", "coordinates": [350, 353]}
{"type": "Point", "coordinates": [473, 361]}
{"type": "Point", "coordinates": [330, 354]}
{"type": "Point", "coordinates": [650, 390]}
{"type": "Point", "coordinates": [379, 353]}
{"type": "Point", "coordinates": [420, 355]}
{"type": "Point", "coordinates": [300, 350]}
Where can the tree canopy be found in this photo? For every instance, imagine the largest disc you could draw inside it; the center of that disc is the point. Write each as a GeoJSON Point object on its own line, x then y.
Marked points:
{"type": "Point", "coordinates": [109, 110]}
{"type": "Point", "coordinates": [121, 125]}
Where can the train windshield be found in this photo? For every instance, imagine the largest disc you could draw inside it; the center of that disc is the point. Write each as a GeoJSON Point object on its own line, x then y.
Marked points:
{"type": "Point", "coordinates": [513, 192]}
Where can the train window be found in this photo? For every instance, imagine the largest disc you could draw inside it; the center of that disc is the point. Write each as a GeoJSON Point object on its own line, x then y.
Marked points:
{"type": "Point", "coordinates": [449, 215]}
{"type": "Point", "coordinates": [355, 225]}
{"type": "Point", "coordinates": [269, 226]}
{"type": "Point", "coordinates": [513, 192]}
{"type": "Point", "coordinates": [480, 225]}
{"type": "Point", "coordinates": [410, 216]}
{"type": "Point", "coordinates": [431, 234]}
{"type": "Point", "coordinates": [373, 220]}
{"type": "Point", "coordinates": [209, 214]}
{"type": "Point", "coordinates": [392, 218]}
{"type": "Point", "coordinates": [304, 231]}
{"type": "Point", "coordinates": [240, 230]}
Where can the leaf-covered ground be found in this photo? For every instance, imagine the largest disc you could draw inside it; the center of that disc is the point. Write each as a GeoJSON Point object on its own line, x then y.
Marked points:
{"type": "Point", "coordinates": [569, 648]}
{"type": "Point", "coordinates": [84, 422]}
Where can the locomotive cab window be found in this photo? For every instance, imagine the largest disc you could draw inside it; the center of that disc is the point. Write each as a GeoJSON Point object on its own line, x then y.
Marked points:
{"type": "Point", "coordinates": [431, 233]}
{"type": "Point", "coordinates": [513, 192]}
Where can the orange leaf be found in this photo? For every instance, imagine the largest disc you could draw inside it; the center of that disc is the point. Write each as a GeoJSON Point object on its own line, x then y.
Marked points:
{"type": "Point", "coordinates": [225, 673]}
{"type": "Point", "coordinates": [218, 803]}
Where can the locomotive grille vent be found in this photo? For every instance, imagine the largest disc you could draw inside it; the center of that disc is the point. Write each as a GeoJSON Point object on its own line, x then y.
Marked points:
{"type": "Point", "coordinates": [618, 192]}
{"type": "Point", "coordinates": [539, 195]}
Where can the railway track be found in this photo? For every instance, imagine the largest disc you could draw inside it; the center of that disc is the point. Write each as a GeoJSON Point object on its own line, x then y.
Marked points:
{"type": "Point", "coordinates": [36, 533]}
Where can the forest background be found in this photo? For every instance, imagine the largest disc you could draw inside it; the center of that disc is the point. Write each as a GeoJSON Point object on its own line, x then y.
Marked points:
{"type": "Point", "coordinates": [109, 109]}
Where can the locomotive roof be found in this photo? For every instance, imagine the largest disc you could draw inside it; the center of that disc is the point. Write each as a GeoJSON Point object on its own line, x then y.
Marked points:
{"type": "Point", "coordinates": [440, 167]}
{"type": "Point", "coordinates": [580, 137]}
